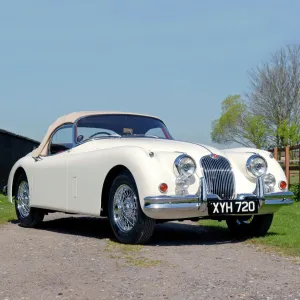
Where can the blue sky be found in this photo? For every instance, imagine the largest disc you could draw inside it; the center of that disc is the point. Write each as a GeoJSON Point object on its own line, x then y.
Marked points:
{"type": "Point", "coordinates": [174, 59]}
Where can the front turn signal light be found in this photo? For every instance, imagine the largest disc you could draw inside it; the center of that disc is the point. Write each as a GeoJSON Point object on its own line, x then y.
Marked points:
{"type": "Point", "coordinates": [282, 185]}
{"type": "Point", "coordinates": [163, 187]}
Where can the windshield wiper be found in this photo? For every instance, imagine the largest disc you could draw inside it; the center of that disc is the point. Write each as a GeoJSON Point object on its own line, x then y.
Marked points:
{"type": "Point", "coordinates": [100, 138]}
{"type": "Point", "coordinates": [118, 136]}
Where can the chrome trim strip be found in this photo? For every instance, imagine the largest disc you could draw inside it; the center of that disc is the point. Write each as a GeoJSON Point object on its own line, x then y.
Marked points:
{"type": "Point", "coordinates": [64, 125]}
{"type": "Point", "coordinates": [259, 187]}
{"type": "Point", "coordinates": [203, 192]}
{"type": "Point", "coordinates": [176, 207]}
{"type": "Point", "coordinates": [111, 114]}
{"type": "Point", "coordinates": [279, 202]}
{"type": "Point", "coordinates": [278, 195]}
{"type": "Point", "coordinates": [243, 196]}
{"type": "Point", "coordinates": [163, 199]}
{"type": "Point", "coordinates": [194, 206]}
{"type": "Point", "coordinates": [172, 206]}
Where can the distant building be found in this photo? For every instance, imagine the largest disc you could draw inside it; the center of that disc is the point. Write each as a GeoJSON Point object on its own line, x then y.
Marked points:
{"type": "Point", "coordinates": [12, 147]}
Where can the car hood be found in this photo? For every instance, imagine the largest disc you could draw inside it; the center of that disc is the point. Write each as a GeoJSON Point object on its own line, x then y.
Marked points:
{"type": "Point", "coordinates": [158, 145]}
{"type": "Point", "coordinates": [167, 150]}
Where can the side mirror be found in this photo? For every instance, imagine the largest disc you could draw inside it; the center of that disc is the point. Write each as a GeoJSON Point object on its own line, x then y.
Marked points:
{"type": "Point", "coordinates": [79, 138]}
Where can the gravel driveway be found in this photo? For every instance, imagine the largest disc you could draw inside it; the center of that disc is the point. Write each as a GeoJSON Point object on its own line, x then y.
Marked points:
{"type": "Point", "coordinates": [75, 258]}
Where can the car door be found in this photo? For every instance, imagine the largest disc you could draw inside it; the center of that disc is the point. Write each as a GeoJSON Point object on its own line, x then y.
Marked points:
{"type": "Point", "coordinates": [85, 172]}
{"type": "Point", "coordinates": [49, 173]}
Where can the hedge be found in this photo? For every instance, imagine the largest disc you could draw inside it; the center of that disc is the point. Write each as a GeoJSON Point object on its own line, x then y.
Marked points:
{"type": "Point", "coordinates": [295, 188]}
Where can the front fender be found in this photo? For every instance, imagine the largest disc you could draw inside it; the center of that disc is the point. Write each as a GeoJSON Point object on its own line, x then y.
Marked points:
{"type": "Point", "coordinates": [238, 158]}
{"type": "Point", "coordinates": [155, 168]}
{"type": "Point", "coordinates": [11, 176]}
{"type": "Point", "coordinates": [91, 169]}
{"type": "Point", "coordinates": [148, 170]}
{"type": "Point", "coordinates": [24, 163]}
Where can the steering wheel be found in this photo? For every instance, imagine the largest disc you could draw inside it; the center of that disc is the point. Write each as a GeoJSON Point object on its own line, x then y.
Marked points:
{"type": "Point", "coordinates": [100, 132]}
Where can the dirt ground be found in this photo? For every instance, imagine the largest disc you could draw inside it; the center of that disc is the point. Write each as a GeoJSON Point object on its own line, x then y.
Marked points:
{"type": "Point", "coordinates": [75, 258]}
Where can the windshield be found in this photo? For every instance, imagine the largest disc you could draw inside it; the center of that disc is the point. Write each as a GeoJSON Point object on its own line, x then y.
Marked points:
{"type": "Point", "coordinates": [99, 126]}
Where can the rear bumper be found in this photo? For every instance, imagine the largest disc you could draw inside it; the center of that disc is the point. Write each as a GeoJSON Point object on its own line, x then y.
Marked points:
{"type": "Point", "coordinates": [192, 206]}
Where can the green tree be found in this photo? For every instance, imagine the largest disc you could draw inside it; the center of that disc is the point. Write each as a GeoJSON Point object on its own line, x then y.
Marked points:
{"type": "Point", "coordinates": [288, 134]}
{"type": "Point", "coordinates": [237, 125]}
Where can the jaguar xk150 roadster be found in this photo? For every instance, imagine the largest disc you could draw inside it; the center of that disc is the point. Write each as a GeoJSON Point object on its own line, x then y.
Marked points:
{"type": "Point", "coordinates": [129, 168]}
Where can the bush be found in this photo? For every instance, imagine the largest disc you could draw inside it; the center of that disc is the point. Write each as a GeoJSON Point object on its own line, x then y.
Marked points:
{"type": "Point", "coordinates": [295, 188]}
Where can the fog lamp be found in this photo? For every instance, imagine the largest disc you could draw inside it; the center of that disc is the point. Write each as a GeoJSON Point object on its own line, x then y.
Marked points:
{"type": "Point", "coordinates": [269, 183]}
{"type": "Point", "coordinates": [182, 184]}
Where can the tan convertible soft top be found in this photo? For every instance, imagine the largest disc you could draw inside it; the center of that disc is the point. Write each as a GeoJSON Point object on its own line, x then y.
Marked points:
{"type": "Point", "coordinates": [71, 118]}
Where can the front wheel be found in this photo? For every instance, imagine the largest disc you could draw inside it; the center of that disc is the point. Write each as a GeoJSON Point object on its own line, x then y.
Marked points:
{"type": "Point", "coordinates": [129, 223]}
{"type": "Point", "coordinates": [27, 216]}
{"type": "Point", "coordinates": [257, 226]}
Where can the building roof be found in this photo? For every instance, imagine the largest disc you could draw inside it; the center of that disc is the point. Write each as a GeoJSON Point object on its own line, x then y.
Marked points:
{"type": "Point", "coordinates": [3, 131]}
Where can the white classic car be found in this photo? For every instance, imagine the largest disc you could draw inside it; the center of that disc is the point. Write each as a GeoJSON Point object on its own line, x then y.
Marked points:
{"type": "Point", "coordinates": [127, 167]}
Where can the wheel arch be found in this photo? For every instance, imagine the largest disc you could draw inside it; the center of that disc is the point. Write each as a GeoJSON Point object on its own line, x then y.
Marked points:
{"type": "Point", "coordinates": [17, 174]}
{"type": "Point", "coordinates": [111, 175]}
{"type": "Point", "coordinates": [24, 164]}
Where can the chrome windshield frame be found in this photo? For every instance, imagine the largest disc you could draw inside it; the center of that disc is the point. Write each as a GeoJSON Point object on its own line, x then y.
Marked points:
{"type": "Point", "coordinates": [80, 143]}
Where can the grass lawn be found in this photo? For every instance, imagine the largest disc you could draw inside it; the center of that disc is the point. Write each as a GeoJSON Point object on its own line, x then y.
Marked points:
{"type": "Point", "coordinates": [284, 234]}
{"type": "Point", "coordinates": [7, 210]}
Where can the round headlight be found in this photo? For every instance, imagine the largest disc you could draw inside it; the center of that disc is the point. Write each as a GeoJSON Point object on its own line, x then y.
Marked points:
{"type": "Point", "coordinates": [269, 180]}
{"type": "Point", "coordinates": [185, 165]}
{"type": "Point", "coordinates": [256, 165]}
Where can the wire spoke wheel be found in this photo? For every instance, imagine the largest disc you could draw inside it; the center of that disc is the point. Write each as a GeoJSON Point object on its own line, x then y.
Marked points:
{"type": "Point", "coordinates": [129, 223]}
{"type": "Point", "coordinates": [23, 199]}
{"type": "Point", "coordinates": [125, 208]}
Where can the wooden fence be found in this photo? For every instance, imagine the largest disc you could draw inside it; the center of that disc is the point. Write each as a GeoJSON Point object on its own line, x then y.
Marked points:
{"type": "Point", "coordinates": [287, 165]}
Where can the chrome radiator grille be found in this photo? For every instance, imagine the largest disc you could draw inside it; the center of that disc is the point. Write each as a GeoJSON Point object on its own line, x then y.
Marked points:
{"type": "Point", "coordinates": [218, 176]}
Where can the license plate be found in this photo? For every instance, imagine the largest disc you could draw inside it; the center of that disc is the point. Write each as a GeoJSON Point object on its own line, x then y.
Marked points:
{"type": "Point", "coordinates": [224, 207]}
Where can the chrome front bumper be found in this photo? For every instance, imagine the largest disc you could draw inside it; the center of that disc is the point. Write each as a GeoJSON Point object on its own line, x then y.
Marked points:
{"type": "Point", "coordinates": [193, 206]}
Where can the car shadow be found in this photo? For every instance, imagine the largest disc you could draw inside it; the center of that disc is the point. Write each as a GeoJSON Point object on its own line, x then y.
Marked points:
{"type": "Point", "coordinates": [165, 234]}
{"type": "Point", "coordinates": [176, 234]}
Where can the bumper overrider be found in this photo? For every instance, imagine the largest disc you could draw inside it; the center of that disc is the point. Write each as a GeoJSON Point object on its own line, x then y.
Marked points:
{"type": "Point", "coordinates": [200, 204]}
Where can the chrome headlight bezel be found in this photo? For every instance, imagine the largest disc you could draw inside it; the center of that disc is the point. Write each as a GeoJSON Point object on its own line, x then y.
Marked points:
{"type": "Point", "coordinates": [179, 163]}
{"type": "Point", "coordinates": [250, 164]}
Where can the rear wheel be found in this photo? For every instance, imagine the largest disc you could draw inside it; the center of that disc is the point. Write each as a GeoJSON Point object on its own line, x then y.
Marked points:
{"type": "Point", "coordinates": [129, 223]}
{"type": "Point", "coordinates": [27, 216]}
{"type": "Point", "coordinates": [250, 226]}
